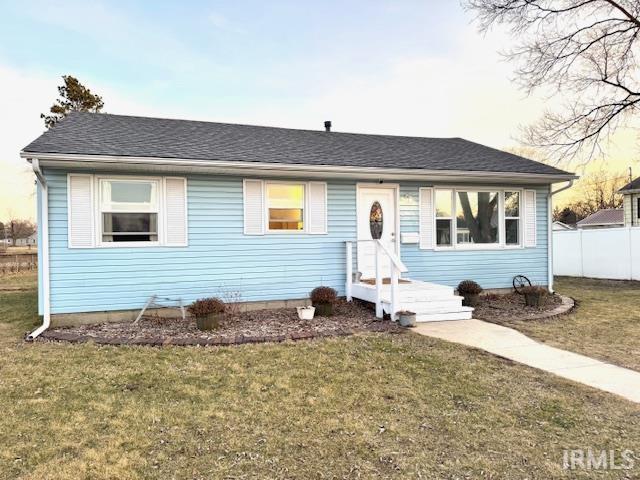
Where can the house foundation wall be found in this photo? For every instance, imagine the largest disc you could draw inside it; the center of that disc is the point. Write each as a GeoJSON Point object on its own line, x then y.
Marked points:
{"type": "Point", "coordinates": [115, 316]}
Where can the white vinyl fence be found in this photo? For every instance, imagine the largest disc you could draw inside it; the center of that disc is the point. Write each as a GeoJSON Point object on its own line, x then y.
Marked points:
{"type": "Point", "coordinates": [598, 253]}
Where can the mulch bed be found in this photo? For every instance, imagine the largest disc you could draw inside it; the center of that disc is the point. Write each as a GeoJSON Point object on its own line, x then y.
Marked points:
{"type": "Point", "coordinates": [501, 308]}
{"type": "Point", "coordinates": [249, 327]}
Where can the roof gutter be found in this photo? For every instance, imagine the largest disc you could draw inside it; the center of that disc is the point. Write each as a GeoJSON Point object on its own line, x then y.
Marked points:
{"type": "Point", "coordinates": [285, 169]}
{"type": "Point", "coordinates": [550, 232]}
{"type": "Point", "coordinates": [44, 249]}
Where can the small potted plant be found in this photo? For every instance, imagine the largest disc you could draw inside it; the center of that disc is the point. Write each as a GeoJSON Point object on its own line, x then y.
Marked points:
{"type": "Point", "coordinates": [306, 313]}
{"type": "Point", "coordinates": [323, 298]}
{"type": "Point", "coordinates": [208, 312]}
{"type": "Point", "coordinates": [534, 295]}
{"type": "Point", "coordinates": [470, 290]}
{"type": "Point", "coordinates": [406, 318]}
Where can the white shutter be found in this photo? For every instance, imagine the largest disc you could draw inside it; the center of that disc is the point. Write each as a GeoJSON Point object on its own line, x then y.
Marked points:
{"type": "Point", "coordinates": [530, 218]}
{"type": "Point", "coordinates": [175, 207]}
{"type": "Point", "coordinates": [317, 205]}
{"type": "Point", "coordinates": [80, 207]}
{"type": "Point", "coordinates": [426, 218]}
{"type": "Point", "coordinates": [253, 207]}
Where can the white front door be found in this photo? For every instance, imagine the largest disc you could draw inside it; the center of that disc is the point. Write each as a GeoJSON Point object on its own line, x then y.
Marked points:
{"type": "Point", "coordinates": [386, 197]}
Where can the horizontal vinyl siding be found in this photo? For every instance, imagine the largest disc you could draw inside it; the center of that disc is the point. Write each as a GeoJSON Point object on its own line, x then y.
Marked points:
{"type": "Point", "coordinates": [490, 268]}
{"type": "Point", "coordinates": [630, 206]}
{"type": "Point", "coordinates": [220, 258]}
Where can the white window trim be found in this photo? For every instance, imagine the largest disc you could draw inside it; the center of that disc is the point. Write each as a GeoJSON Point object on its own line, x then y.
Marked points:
{"type": "Point", "coordinates": [500, 245]}
{"type": "Point", "coordinates": [97, 222]}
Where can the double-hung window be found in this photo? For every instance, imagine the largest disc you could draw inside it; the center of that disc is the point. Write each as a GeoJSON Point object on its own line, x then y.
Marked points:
{"type": "Point", "coordinates": [474, 217]}
{"type": "Point", "coordinates": [285, 206]}
{"type": "Point", "coordinates": [444, 217]}
{"type": "Point", "coordinates": [129, 210]}
{"type": "Point", "coordinates": [512, 218]}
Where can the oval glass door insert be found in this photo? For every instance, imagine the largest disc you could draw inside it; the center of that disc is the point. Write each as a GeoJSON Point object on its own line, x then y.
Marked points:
{"type": "Point", "coordinates": [375, 220]}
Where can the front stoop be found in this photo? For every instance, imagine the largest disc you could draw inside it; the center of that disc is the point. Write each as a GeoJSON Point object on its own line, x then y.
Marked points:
{"type": "Point", "coordinates": [429, 301]}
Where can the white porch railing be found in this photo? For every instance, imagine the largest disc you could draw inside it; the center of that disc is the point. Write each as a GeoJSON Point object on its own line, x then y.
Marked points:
{"type": "Point", "coordinates": [396, 267]}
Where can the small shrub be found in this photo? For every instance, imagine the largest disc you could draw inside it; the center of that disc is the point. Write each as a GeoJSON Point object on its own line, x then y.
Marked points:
{"type": "Point", "coordinates": [534, 290]}
{"type": "Point", "coordinates": [469, 287]}
{"type": "Point", "coordinates": [323, 295]}
{"type": "Point", "coordinates": [206, 306]}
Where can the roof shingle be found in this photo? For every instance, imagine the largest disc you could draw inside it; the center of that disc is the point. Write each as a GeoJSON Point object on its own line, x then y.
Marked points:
{"type": "Point", "coordinates": [610, 216]}
{"type": "Point", "coordinates": [119, 135]}
{"type": "Point", "coordinates": [632, 185]}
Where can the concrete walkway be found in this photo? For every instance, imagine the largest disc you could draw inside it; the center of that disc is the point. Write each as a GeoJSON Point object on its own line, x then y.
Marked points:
{"type": "Point", "coordinates": [508, 343]}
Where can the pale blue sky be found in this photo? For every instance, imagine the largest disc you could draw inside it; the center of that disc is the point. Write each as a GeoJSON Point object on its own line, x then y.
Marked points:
{"type": "Point", "coordinates": [396, 67]}
{"type": "Point", "coordinates": [224, 55]}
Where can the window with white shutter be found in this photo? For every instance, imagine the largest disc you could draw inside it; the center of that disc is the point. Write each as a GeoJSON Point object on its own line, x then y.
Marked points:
{"type": "Point", "coordinates": [530, 218]}
{"type": "Point", "coordinates": [80, 211]}
{"type": "Point", "coordinates": [284, 207]}
{"type": "Point", "coordinates": [317, 210]}
{"type": "Point", "coordinates": [253, 193]}
{"type": "Point", "coordinates": [175, 194]}
{"type": "Point", "coordinates": [126, 211]}
{"type": "Point", "coordinates": [426, 218]}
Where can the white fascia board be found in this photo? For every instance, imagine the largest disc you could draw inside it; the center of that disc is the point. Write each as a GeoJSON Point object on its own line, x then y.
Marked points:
{"type": "Point", "coordinates": [244, 168]}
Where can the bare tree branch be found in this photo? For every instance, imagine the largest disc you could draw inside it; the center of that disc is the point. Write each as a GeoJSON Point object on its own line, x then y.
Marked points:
{"type": "Point", "coordinates": [587, 51]}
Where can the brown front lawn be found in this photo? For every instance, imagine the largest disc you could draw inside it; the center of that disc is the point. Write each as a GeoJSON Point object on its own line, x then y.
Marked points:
{"type": "Point", "coordinates": [367, 406]}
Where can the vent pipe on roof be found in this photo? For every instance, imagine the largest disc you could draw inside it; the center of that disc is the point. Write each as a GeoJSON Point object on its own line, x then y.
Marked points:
{"type": "Point", "coordinates": [327, 126]}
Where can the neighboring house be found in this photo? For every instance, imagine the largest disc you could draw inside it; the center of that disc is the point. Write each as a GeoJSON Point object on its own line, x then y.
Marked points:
{"type": "Point", "coordinates": [561, 226]}
{"type": "Point", "coordinates": [631, 203]}
{"type": "Point", "coordinates": [607, 218]}
{"type": "Point", "coordinates": [29, 241]}
{"type": "Point", "coordinates": [130, 207]}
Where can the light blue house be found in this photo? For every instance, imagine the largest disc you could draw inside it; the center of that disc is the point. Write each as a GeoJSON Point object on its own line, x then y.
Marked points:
{"type": "Point", "coordinates": [132, 207]}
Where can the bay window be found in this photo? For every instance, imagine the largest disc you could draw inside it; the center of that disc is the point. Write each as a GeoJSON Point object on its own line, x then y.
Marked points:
{"type": "Point", "coordinates": [477, 217]}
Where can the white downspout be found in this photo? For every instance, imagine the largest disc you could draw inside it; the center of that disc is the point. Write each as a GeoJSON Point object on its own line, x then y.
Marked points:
{"type": "Point", "coordinates": [44, 250]}
{"type": "Point", "coordinates": [550, 233]}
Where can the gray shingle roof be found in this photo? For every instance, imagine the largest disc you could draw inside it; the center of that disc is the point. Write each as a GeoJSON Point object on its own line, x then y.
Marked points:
{"type": "Point", "coordinates": [119, 135]}
{"type": "Point", "coordinates": [632, 185]}
{"type": "Point", "coordinates": [604, 217]}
